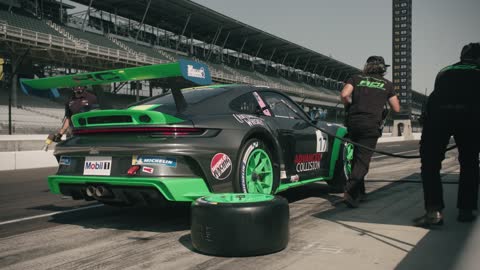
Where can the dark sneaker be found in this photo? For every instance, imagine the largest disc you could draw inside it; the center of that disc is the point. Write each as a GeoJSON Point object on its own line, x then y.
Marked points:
{"type": "Point", "coordinates": [431, 218]}
{"type": "Point", "coordinates": [465, 215]}
{"type": "Point", "coordinates": [350, 201]}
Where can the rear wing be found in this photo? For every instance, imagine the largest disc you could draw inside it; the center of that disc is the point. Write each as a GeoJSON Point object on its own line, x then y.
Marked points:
{"type": "Point", "coordinates": [194, 72]}
{"type": "Point", "coordinates": [179, 74]}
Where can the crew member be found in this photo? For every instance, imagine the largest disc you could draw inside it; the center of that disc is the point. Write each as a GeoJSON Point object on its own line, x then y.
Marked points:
{"type": "Point", "coordinates": [365, 96]}
{"type": "Point", "coordinates": [80, 101]}
{"type": "Point", "coordinates": [452, 109]}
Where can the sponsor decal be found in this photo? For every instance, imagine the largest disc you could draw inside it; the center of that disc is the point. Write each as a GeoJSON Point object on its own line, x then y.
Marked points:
{"type": "Point", "coordinates": [307, 162]}
{"type": "Point", "coordinates": [244, 164]}
{"type": "Point", "coordinates": [221, 166]}
{"type": "Point", "coordinates": [97, 165]}
{"type": "Point", "coordinates": [195, 72]}
{"type": "Point", "coordinates": [147, 169]}
{"type": "Point", "coordinates": [294, 178]}
{"type": "Point", "coordinates": [261, 103]}
{"type": "Point", "coordinates": [249, 120]}
{"type": "Point", "coordinates": [65, 161]}
{"type": "Point", "coordinates": [322, 142]}
{"type": "Point", "coordinates": [369, 84]}
{"type": "Point", "coordinates": [154, 160]}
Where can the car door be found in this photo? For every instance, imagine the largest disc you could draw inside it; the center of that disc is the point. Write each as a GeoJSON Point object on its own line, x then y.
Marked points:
{"type": "Point", "coordinates": [302, 144]}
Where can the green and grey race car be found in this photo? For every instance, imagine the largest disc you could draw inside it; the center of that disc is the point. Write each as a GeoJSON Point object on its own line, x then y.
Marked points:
{"type": "Point", "coordinates": [196, 141]}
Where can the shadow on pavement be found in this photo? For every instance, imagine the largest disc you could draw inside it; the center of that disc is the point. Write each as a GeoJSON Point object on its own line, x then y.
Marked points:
{"type": "Point", "coordinates": [176, 218]}
{"type": "Point", "coordinates": [386, 217]}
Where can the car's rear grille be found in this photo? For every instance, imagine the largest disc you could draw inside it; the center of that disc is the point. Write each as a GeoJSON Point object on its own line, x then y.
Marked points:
{"type": "Point", "coordinates": [110, 119]}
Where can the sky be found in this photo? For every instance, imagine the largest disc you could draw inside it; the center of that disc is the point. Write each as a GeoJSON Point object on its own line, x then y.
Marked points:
{"type": "Point", "coordinates": [352, 30]}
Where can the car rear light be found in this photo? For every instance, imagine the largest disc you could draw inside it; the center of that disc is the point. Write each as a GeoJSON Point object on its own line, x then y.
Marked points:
{"type": "Point", "coordinates": [133, 170]}
{"type": "Point", "coordinates": [166, 131]}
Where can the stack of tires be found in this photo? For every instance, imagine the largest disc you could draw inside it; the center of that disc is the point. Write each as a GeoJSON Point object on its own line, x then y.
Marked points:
{"type": "Point", "coordinates": [239, 224]}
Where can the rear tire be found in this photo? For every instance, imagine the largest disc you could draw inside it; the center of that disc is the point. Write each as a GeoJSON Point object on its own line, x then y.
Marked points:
{"type": "Point", "coordinates": [237, 225]}
{"type": "Point", "coordinates": [256, 172]}
{"type": "Point", "coordinates": [343, 168]}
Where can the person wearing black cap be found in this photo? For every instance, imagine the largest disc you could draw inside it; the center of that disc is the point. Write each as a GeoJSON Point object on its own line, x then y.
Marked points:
{"type": "Point", "coordinates": [452, 110]}
{"type": "Point", "coordinates": [364, 97]}
{"type": "Point", "coordinates": [80, 101]}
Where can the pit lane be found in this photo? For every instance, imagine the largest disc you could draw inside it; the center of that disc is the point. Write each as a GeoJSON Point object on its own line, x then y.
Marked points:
{"type": "Point", "coordinates": [40, 231]}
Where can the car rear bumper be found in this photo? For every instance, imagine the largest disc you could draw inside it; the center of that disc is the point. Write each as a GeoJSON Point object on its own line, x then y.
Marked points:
{"type": "Point", "coordinates": [175, 189]}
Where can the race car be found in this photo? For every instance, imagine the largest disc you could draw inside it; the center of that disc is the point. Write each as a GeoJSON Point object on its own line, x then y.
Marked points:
{"type": "Point", "coordinates": [196, 141]}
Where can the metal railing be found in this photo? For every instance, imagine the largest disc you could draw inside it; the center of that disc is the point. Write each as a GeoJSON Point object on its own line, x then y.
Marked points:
{"type": "Point", "coordinates": [25, 36]}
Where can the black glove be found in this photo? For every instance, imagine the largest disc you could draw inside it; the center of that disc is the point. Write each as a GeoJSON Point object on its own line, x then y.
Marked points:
{"type": "Point", "coordinates": [57, 137]}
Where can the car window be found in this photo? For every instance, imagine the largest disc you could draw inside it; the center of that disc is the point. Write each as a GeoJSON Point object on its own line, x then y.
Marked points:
{"type": "Point", "coordinates": [281, 106]}
{"type": "Point", "coordinates": [192, 96]}
{"type": "Point", "coordinates": [245, 103]}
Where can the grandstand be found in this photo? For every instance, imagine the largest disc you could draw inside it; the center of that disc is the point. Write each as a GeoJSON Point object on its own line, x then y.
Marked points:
{"type": "Point", "coordinates": [104, 37]}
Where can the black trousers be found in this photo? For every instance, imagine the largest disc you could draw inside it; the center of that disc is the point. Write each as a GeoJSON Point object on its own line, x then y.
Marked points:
{"type": "Point", "coordinates": [435, 138]}
{"type": "Point", "coordinates": [366, 135]}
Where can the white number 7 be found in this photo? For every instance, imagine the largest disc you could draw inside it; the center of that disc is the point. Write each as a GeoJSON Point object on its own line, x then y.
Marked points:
{"type": "Point", "coordinates": [321, 142]}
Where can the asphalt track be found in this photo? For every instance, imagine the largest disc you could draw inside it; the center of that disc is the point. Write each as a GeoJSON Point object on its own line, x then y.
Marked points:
{"type": "Point", "coordinates": [40, 230]}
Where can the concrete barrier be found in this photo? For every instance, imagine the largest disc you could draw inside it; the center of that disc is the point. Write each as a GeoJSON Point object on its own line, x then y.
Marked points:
{"type": "Point", "coordinates": [26, 160]}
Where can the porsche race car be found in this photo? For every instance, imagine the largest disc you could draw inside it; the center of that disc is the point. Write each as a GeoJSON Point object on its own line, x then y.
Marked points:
{"type": "Point", "coordinates": [195, 141]}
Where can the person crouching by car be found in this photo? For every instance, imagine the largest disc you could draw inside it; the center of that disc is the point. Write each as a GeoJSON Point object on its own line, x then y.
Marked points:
{"type": "Point", "coordinates": [80, 101]}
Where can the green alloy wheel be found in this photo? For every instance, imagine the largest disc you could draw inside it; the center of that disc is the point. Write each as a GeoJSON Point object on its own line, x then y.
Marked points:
{"type": "Point", "coordinates": [256, 172]}
{"type": "Point", "coordinates": [343, 168]}
{"type": "Point", "coordinates": [239, 224]}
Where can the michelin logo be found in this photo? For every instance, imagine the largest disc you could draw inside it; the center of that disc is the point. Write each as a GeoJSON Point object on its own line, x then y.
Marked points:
{"type": "Point", "coordinates": [195, 72]}
{"type": "Point", "coordinates": [154, 160]}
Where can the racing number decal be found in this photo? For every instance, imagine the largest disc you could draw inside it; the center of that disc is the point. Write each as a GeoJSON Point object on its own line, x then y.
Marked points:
{"type": "Point", "coordinates": [322, 142]}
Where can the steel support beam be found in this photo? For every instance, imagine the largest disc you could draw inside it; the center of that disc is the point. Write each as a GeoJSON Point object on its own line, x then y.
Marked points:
{"type": "Point", "coordinates": [240, 52]}
{"type": "Point", "coordinates": [87, 13]}
{"type": "Point", "coordinates": [256, 55]}
{"type": "Point", "coordinates": [214, 41]}
{"type": "Point", "coordinates": [269, 60]}
{"type": "Point", "coordinates": [306, 64]}
{"type": "Point", "coordinates": [223, 45]}
{"type": "Point", "coordinates": [183, 31]}
{"type": "Point", "coordinates": [143, 19]}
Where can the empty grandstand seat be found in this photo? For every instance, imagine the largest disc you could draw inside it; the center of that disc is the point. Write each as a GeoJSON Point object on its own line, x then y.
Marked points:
{"type": "Point", "coordinates": [93, 38]}
{"type": "Point", "coordinates": [25, 22]}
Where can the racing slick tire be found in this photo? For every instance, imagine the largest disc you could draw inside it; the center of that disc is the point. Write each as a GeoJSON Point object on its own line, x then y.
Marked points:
{"type": "Point", "coordinates": [343, 168]}
{"type": "Point", "coordinates": [256, 172]}
{"type": "Point", "coordinates": [238, 224]}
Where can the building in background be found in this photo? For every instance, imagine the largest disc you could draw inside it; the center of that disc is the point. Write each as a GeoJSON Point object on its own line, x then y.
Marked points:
{"type": "Point", "coordinates": [402, 55]}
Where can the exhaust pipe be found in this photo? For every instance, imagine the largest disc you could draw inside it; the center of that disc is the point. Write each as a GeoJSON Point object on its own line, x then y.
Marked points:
{"type": "Point", "coordinates": [91, 190]}
{"type": "Point", "coordinates": [102, 191]}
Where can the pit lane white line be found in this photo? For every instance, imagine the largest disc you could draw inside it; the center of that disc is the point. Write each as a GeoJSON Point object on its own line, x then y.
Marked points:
{"type": "Point", "coordinates": [393, 145]}
{"type": "Point", "coordinates": [49, 214]}
{"type": "Point", "coordinates": [404, 152]}
{"type": "Point", "coordinates": [399, 153]}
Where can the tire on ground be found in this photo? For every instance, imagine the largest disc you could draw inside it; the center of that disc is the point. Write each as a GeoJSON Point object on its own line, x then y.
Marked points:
{"type": "Point", "coordinates": [255, 147]}
{"type": "Point", "coordinates": [237, 225]}
{"type": "Point", "coordinates": [340, 173]}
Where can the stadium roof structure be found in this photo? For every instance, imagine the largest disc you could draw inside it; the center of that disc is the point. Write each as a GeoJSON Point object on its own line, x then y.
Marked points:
{"type": "Point", "coordinates": [210, 26]}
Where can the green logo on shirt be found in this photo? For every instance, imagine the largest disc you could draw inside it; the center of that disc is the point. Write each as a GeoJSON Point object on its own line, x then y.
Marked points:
{"type": "Point", "coordinates": [461, 67]}
{"type": "Point", "coordinates": [369, 84]}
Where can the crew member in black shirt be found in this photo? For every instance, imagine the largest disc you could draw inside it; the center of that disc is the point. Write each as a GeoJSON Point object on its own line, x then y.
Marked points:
{"type": "Point", "coordinates": [80, 101]}
{"type": "Point", "coordinates": [452, 109]}
{"type": "Point", "coordinates": [364, 97]}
